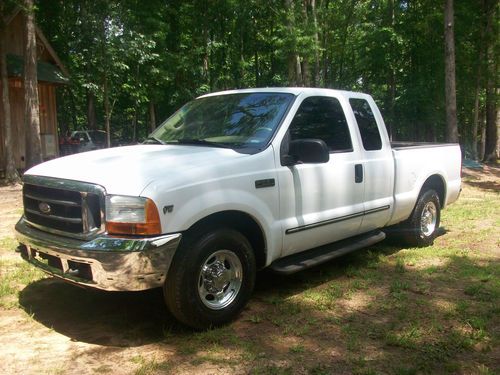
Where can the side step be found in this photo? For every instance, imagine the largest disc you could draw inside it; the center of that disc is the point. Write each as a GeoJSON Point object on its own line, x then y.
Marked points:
{"type": "Point", "coordinates": [310, 258]}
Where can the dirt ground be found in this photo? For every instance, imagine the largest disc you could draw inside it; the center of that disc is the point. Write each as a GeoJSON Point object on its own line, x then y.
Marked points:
{"type": "Point", "coordinates": [55, 328]}
{"type": "Point", "coordinates": [11, 208]}
{"type": "Point", "coordinates": [487, 178]}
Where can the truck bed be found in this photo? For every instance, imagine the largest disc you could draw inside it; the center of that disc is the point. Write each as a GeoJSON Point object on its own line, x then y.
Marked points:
{"type": "Point", "coordinates": [414, 162]}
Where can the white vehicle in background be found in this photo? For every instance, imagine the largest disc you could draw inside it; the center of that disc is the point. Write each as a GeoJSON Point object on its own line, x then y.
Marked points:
{"type": "Point", "coordinates": [234, 182]}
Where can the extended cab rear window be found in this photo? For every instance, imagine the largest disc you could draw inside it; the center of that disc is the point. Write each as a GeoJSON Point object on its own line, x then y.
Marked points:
{"type": "Point", "coordinates": [367, 124]}
{"type": "Point", "coordinates": [322, 117]}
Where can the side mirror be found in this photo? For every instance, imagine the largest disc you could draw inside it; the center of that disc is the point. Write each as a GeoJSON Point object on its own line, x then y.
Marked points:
{"type": "Point", "coordinates": [307, 151]}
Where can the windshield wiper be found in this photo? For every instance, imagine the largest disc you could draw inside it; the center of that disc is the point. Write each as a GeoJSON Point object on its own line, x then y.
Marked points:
{"type": "Point", "coordinates": [153, 140]}
{"type": "Point", "coordinates": [202, 142]}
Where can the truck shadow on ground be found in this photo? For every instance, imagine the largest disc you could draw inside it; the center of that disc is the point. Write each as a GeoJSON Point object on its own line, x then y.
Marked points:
{"type": "Point", "coordinates": [97, 317]}
{"type": "Point", "coordinates": [130, 319]}
{"type": "Point", "coordinates": [306, 320]}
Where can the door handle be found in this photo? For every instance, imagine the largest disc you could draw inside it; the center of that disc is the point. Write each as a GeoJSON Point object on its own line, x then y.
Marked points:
{"type": "Point", "coordinates": [358, 173]}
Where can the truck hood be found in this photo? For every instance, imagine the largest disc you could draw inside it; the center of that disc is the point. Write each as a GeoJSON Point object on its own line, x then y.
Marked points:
{"type": "Point", "coordinates": [128, 170]}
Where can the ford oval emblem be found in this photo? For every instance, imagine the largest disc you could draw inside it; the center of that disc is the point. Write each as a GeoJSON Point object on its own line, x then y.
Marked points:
{"type": "Point", "coordinates": [44, 208]}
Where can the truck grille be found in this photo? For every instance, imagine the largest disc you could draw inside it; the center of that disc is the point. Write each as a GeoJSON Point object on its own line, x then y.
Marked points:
{"type": "Point", "coordinates": [73, 208]}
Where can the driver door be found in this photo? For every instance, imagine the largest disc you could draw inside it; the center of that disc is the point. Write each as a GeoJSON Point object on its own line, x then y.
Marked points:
{"type": "Point", "coordinates": [320, 203]}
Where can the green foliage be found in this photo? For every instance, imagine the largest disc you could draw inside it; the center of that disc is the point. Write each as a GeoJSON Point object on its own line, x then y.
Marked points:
{"type": "Point", "coordinates": [171, 51]}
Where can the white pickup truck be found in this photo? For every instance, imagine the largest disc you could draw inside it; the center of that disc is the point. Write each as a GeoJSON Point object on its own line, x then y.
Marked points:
{"type": "Point", "coordinates": [233, 182]}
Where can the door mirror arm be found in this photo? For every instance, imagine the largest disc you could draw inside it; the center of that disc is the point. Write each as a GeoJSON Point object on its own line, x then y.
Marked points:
{"type": "Point", "coordinates": [288, 160]}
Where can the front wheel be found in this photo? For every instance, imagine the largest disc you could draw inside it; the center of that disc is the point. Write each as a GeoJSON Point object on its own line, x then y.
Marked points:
{"type": "Point", "coordinates": [421, 228]}
{"type": "Point", "coordinates": [211, 278]}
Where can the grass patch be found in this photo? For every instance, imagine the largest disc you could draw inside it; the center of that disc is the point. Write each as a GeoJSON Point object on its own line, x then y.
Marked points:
{"type": "Point", "coordinates": [388, 309]}
{"type": "Point", "coordinates": [14, 275]}
{"type": "Point", "coordinates": [146, 366]}
{"type": "Point", "coordinates": [408, 338]}
{"type": "Point", "coordinates": [103, 369]}
{"type": "Point", "coordinates": [8, 245]}
{"type": "Point", "coordinates": [297, 349]}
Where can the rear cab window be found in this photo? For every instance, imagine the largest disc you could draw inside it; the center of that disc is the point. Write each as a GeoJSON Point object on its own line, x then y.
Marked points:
{"type": "Point", "coordinates": [367, 124]}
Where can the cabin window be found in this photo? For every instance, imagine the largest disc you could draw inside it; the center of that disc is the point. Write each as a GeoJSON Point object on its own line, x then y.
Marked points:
{"type": "Point", "coordinates": [367, 124]}
{"type": "Point", "coordinates": [321, 117]}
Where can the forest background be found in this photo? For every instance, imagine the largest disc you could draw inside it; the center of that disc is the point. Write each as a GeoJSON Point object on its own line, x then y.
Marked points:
{"type": "Point", "coordinates": [133, 63]}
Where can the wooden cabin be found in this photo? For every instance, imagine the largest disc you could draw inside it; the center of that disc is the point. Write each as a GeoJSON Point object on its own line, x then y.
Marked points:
{"type": "Point", "coordinates": [51, 74]}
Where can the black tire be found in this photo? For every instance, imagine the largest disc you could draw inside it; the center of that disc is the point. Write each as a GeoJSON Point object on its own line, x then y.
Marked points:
{"type": "Point", "coordinates": [422, 226]}
{"type": "Point", "coordinates": [186, 282]}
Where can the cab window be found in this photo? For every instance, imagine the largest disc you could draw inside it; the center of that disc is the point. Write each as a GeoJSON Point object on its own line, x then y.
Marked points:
{"type": "Point", "coordinates": [367, 124]}
{"type": "Point", "coordinates": [322, 118]}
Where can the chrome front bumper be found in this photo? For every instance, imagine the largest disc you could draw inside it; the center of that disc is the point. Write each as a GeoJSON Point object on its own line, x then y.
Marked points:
{"type": "Point", "coordinates": [108, 263]}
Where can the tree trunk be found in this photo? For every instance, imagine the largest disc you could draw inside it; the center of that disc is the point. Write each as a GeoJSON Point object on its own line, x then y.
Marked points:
{"type": "Point", "coordinates": [206, 54]}
{"type": "Point", "coordinates": [256, 67]}
{"type": "Point", "coordinates": [105, 83]}
{"type": "Point", "coordinates": [325, 60]}
{"type": "Point", "coordinates": [305, 71]}
{"type": "Point", "coordinates": [91, 113]}
{"type": "Point", "coordinates": [482, 130]}
{"type": "Point", "coordinates": [107, 112]}
{"type": "Point", "coordinates": [349, 16]}
{"type": "Point", "coordinates": [9, 166]}
{"type": "Point", "coordinates": [475, 137]}
{"type": "Point", "coordinates": [475, 121]}
{"type": "Point", "coordinates": [298, 71]}
{"type": "Point", "coordinates": [72, 110]}
{"type": "Point", "coordinates": [294, 69]}
{"type": "Point", "coordinates": [31, 106]}
{"type": "Point", "coordinates": [134, 126]}
{"type": "Point", "coordinates": [316, 79]}
{"type": "Point", "coordinates": [491, 140]}
{"type": "Point", "coordinates": [451, 94]}
{"type": "Point", "coordinates": [391, 79]}
{"type": "Point", "coordinates": [292, 58]}
{"type": "Point", "coordinates": [490, 147]}
{"type": "Point", "coordinates": [152, 116]}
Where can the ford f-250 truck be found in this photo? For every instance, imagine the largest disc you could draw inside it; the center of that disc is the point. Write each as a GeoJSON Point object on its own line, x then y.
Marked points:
{"type": "Point", "coordinates": [233, 182]}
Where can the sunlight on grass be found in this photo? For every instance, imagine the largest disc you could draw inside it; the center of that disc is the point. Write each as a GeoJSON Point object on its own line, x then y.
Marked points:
{"type": "Point", "coordinates": [8, 245]}
{"type": "Point", "coordinates": [148, 366]}
{"type": "Point", "coordinates": [388, 309]}
{"type": "Point", "coordinates": [14, 275]}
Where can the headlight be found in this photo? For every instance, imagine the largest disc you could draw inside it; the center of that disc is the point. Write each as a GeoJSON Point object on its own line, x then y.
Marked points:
{"type": "Point", "coordinates": [131, 215]}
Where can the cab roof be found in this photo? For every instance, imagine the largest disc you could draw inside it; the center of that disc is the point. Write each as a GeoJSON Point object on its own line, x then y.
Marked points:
{"type": "Point", "coordinates": [289, 90]}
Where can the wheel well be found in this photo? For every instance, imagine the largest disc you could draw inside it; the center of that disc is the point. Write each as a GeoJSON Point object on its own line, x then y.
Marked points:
{"type": "Point", "coordinates": [243, 223]}
{"type": "Point", "coordinates": [436, 183]}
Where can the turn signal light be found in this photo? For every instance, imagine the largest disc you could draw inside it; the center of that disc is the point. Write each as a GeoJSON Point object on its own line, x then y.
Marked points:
{"type": "Point", "coordinates": [150, 225]}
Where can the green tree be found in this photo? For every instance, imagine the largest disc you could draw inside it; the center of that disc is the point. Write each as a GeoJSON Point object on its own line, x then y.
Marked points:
{"type": "Point", "coordinates": [30, 83]}
{"type": "Point", "coordinates": [132, 64]}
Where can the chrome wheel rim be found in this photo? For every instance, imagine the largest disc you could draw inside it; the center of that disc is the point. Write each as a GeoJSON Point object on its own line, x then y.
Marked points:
{"type": "Point", "coordinates": [220, 279]}
{"type": "Point", "coordinates": [428, 219]}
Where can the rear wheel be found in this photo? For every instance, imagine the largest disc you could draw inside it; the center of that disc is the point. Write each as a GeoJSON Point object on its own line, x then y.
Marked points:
{"type": "Point", "coordinates": [211, 278]}
{"type": "Point", "coordinates": [421, 228]}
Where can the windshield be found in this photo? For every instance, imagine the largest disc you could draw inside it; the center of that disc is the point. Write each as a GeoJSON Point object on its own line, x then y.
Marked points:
{"type": "Point", "coordinates": [245, 120]}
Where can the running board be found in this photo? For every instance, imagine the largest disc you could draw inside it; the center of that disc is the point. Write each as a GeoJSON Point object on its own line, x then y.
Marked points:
{"type": "Point", "coordinates": [310, 258]}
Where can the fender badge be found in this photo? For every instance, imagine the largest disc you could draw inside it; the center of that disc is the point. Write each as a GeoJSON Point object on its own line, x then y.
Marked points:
{"type": "Point", "coordinates": [168, 209]}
